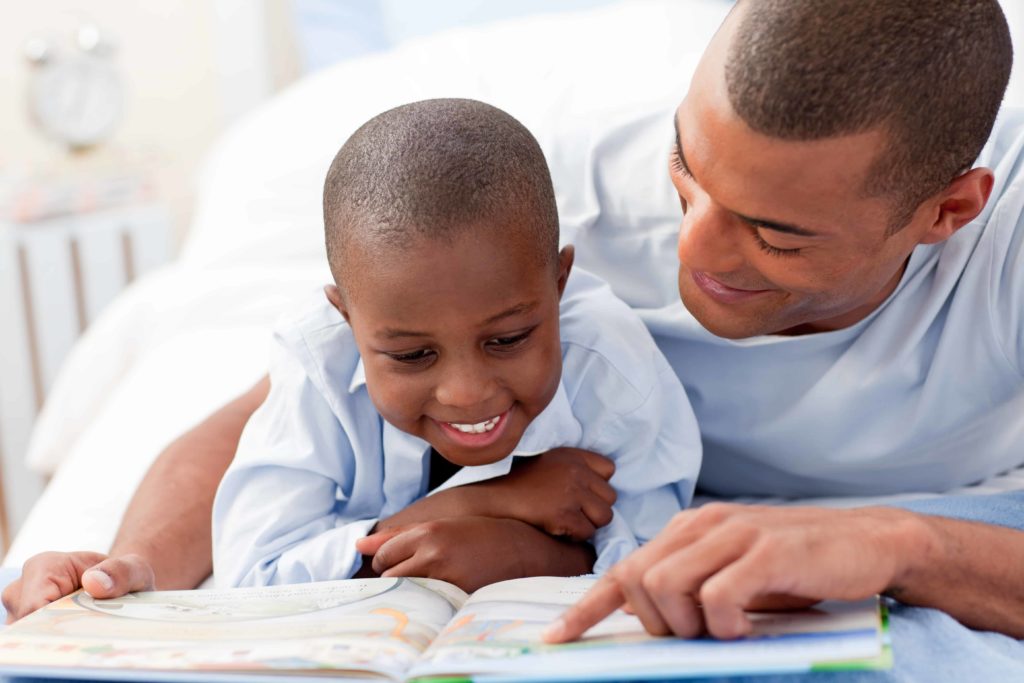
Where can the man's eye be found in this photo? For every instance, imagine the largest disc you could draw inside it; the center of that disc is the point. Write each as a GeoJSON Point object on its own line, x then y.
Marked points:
{"type": "Point", "coordinates": [676, 163]}
{"type": "Point", "coordinates": [510, 342]}
{"type": "Point", "coordinates": [773, 250]}
{"type": "Point", "coordinates": [412, 357]}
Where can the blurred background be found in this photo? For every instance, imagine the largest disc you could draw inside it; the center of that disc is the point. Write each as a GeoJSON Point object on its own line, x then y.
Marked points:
{"type": "Point", "coordinates": [111, 107]}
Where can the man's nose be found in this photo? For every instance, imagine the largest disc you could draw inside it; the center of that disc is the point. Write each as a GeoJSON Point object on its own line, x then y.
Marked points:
{"type": "Point", "coordinates": [707, 241]}
{"type": "Point", "coordinates": [465, 384]}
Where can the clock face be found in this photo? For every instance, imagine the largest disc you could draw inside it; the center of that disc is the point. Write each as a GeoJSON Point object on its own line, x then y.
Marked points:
{"type": "Point", "coordinates": [77, 100]}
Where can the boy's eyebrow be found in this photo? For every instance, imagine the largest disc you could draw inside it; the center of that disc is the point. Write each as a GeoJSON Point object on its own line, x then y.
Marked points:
{"type": "Point", "coordinates": [757, 222]}
{"type": "Point", "coordinates": [392, 333]}
{"type": "Point", "coordinates": [518, 309]}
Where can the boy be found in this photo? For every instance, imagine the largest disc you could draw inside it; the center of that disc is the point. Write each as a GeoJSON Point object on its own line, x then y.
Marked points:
{"type": "Point", "coordinates": [452, 338]}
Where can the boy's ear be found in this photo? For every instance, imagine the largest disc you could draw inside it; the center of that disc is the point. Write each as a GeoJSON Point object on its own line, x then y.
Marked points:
{"type": "Point", "coordinates": [334, 296]}
{"type": "Point", "coordinates": [565, 259]}
{"type": "Point", "coordinates": [959, 204]}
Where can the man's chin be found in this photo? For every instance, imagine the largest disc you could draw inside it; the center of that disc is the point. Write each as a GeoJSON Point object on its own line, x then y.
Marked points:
{"type": "Point", "coordinates": [722, 324]}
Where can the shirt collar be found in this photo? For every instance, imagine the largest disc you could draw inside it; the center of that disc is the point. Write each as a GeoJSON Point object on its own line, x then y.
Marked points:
{"type": "Point", "coordinates": [358, 378]}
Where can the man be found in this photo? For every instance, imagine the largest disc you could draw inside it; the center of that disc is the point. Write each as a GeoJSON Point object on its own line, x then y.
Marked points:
{"type": "Point", "coordinates": [853, 327]}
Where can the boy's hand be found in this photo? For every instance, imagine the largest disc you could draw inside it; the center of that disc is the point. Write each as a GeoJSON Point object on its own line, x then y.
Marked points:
{"type": "Point", "coordinates": [565, 492]}
{"type": "Point", "coordinates": [50, 576]}
{"type": "Point", "coordinates": [471, 552]}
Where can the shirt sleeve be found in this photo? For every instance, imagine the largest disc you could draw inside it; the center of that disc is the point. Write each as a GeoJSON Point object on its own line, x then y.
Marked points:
{"type": "Point", "coordinates": [657, 453]}
{"type": "Point", "coordinates": [643, 422]}
{"type": "Point", "coordinates": [281, 514]}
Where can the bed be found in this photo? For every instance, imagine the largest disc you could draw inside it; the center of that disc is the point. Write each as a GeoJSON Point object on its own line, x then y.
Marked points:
{"type": "Point", "coordinates": [598, 89]}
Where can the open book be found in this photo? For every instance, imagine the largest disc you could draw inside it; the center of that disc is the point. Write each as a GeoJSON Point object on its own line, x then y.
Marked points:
{"type": "Point", "coordinates": [402, 629]}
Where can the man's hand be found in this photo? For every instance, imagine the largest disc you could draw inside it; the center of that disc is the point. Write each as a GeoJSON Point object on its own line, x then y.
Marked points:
{"type": "Point", "coordinates": [710, 564]}
{"type": "Point", "coordinates": [471, 552]}
{"type": "Point", "coordinates": [565, 492]}
{"type": "Point", "coordinates": [50, 576]}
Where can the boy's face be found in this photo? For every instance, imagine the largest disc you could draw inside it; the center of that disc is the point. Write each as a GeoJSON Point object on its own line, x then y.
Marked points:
{"type": "Point", "coordinates": [459, 340]}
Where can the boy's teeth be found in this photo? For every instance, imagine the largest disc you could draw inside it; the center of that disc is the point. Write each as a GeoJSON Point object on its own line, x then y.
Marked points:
{"type": "Point", "coordinates": [478, 428]}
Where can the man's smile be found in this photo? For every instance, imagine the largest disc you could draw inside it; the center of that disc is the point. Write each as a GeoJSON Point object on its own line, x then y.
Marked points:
{"type": "Point", "coordinates": [722, 292]}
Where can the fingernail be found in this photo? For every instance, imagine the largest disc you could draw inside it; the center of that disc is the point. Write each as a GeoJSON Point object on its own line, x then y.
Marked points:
{"type": "Point", "coordinates": [554, 631]}
{"type": "Point", "coordinates": [100, 577]}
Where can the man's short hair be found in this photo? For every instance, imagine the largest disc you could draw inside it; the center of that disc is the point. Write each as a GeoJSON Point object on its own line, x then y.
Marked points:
{"type": "Point", "coordinates": [432, 169]}
{"type": "Point", "coordinates": [930, 73]}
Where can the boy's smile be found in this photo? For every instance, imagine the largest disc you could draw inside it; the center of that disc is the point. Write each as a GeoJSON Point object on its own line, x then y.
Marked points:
{"type": "Point", "coordinates": [459, 336]}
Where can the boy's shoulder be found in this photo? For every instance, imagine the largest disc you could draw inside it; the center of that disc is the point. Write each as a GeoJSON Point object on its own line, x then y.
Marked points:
{"type": "Point", "coordinates": [315, 334]}
{"type": "Point", "coordinates": [606, 347]}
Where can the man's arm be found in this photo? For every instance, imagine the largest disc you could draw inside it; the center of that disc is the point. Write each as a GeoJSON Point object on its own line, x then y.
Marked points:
{"type": "Point", "coordinates": [710, 564]}
{"type": "Point", "coordinates": [167, 522]}
{"type": "Point", "coordinates": [164, 540]}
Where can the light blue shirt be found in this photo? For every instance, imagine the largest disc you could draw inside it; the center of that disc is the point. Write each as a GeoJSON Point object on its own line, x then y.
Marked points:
{"type": "Point", "coordinates": [317, 466]}
{"type": "Point", "coordinates": [926, 394]}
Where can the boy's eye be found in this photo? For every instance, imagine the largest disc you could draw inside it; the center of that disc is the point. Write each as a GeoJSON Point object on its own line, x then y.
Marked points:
{"type": "Point", "coordinates": [510, 342]}
{"type": "Point", "coordinates": [412, 357]}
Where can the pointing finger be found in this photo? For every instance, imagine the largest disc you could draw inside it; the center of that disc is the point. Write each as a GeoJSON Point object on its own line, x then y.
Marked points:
{"type": "Point", "coordinates": [604, 598]}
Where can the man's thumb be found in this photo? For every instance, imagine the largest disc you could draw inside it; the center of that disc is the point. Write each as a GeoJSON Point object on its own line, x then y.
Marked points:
{"type": "Point", "coordinates": [117, 576]}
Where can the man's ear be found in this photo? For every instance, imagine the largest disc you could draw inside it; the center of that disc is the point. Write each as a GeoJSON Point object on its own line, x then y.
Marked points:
{"type": "Point", "coordinates": [565, 259]}
{"type": "Point", "coordinates": [960, 203]}
{"type": "Point", "coordinates": [334, 296]}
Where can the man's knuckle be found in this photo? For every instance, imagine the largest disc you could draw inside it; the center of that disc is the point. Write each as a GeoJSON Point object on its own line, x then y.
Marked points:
{"type": "Point", "coordinates": [713, 513]}
{"type": "Point", "coordinates": [653, 582]}
{"type": "Point", "coordinates": [713, 593]}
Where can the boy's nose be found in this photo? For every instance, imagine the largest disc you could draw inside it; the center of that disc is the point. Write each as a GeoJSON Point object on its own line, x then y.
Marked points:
{"type": "Point", "coordinates": [464, 387]}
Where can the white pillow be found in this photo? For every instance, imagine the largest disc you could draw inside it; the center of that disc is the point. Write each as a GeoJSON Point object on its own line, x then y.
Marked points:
{"type": "Point", "coordinates": [574, 79]}
{"type": "Point", "coordinates": [174, 302]}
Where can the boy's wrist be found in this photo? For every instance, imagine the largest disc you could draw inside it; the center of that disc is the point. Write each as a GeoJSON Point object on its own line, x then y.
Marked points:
{"type": "Point", "coordinates": [474, 500]}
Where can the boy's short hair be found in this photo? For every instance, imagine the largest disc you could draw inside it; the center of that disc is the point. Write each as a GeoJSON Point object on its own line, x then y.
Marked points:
{"type": "Point", "coordinates": [931, 73]}
{"type": "Point", "coordinates": [431, 169]}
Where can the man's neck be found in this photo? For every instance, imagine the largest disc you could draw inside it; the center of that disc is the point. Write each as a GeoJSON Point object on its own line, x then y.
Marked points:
{"type": "Point", "coordinates": [851, 317]}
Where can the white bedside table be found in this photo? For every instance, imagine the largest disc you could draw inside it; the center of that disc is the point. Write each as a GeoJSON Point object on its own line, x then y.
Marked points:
{"type": "Point", "coordinates": [56, 275]}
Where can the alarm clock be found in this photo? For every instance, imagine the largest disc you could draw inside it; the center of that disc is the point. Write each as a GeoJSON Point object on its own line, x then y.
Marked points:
{"type": "Point", "coordinates": [75, 97]}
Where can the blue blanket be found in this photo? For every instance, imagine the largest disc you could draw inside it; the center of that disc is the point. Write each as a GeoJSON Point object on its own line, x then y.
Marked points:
{"type": "Point", "coordinates": [927, 644]}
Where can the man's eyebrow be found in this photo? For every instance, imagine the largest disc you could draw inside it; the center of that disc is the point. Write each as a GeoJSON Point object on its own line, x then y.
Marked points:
{"type": "Point", "coordinates": [518, 309]}
{"type": "Point", "coordinates": [777, 227]}
{"type": "Point", "coordinates": [758, 222]}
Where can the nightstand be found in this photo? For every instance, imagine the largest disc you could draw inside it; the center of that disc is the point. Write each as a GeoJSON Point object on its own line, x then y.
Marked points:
{"type": "Point", "coordinates": [56, 275]}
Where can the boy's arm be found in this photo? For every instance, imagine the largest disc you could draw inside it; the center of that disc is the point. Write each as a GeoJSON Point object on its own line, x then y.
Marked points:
{"type": "Point", "coordinates": [657, 452]}
{"type": "Point", "coordinates": [164, 539]}
{"type": "Point", "coordinates": [281, 513]}
{"type": "Point", "coordinates": [564, 492]}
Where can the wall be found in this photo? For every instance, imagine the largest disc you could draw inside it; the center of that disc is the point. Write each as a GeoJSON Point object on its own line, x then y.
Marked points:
{"type": "Point", "coordinates": [182, 87]}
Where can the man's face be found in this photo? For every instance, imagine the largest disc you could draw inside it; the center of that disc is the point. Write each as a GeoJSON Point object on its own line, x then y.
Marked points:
{"type": "Point", "coordinates": [460, 341]}
{"type": "Point", "coordinates": [777, 236]}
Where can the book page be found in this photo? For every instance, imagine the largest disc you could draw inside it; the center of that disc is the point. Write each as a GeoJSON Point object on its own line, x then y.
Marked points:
{"type": "Point", "coordinates": [498, 633]}
{"type": "Point", "coordinates": [378, 626]}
